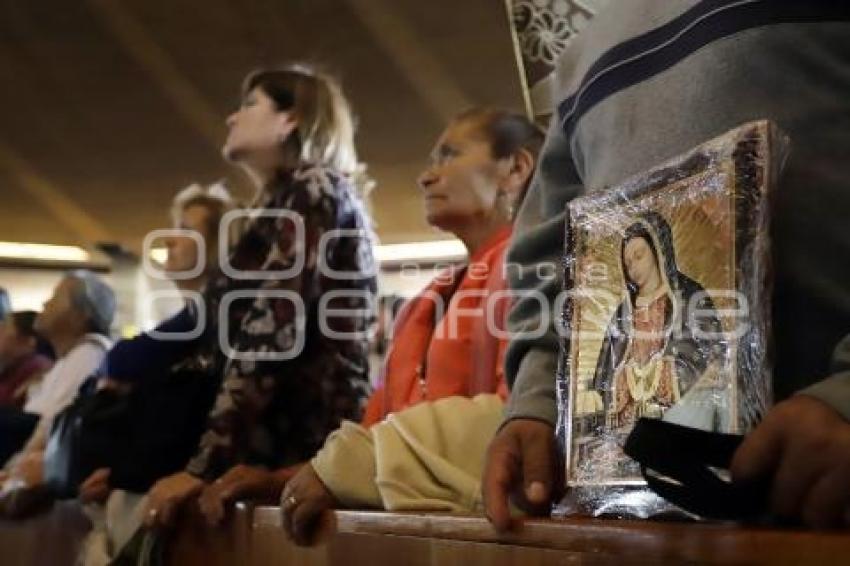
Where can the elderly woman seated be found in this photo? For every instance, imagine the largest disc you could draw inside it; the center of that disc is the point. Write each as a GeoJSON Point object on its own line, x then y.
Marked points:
{"type": "Point", "coordinates": [76, 321]}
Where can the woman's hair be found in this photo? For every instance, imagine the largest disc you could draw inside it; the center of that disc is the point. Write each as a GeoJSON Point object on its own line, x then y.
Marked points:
{"type": "Point", "coordinates": [218, 202]}
{"type": "Point", "coordinates": [24, 322]}
{"type": "Point", "coordinates": [508, 132]}
{"type": "Point", "coordinates": [326, 125]}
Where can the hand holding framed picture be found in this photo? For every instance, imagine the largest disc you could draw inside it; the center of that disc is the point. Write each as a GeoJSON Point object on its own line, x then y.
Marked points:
{"type": "Point", "coordinates": [667, 308]}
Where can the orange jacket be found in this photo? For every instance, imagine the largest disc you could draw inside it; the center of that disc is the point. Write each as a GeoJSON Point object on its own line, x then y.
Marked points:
{"type": "Point", "coordinates": [458, 353]}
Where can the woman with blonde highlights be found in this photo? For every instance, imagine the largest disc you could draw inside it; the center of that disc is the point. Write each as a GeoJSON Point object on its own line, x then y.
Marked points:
{"type": "Point", "coordinates": [285, 384]}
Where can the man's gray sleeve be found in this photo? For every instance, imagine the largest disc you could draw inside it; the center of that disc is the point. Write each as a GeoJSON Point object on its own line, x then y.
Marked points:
{"type": "Point", "coordinates": [835, 390]}
{"type": "Point", "coordinates": [535, 273]}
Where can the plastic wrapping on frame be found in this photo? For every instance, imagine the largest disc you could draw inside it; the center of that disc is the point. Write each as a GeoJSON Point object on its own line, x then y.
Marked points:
{"type": "Point", "coordinates": [667, 313]}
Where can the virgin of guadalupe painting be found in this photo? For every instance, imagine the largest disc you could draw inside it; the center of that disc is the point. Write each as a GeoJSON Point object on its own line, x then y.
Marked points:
{"type": "Point", "coordinates": [667, 300]}
{"type": "Point", "coordinates": [651, 355]}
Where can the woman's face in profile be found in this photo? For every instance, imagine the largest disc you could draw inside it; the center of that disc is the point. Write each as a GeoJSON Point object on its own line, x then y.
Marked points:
{"type": "Point", "coordinates": [461, 185]}
{"type": "Point", "coordinates": [640, 261]}
{"type": "Point", "coordinates": [257, 128]}
{"type": "Point", "coordinates": [59, 311]}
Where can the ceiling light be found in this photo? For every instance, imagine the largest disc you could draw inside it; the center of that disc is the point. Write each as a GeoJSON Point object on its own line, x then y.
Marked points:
{"type": "Point", "coordinates": [159, 255]}
{"type": "Point", "coordinates": [43, 252]}
{"type": "Point", "coordinates": [421, 251]}
{"type": "Point", "coordinates": [448, 250]}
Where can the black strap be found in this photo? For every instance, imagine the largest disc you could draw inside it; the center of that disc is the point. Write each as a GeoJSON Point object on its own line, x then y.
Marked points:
{"type": "Point", "coordinates": [680, 464]}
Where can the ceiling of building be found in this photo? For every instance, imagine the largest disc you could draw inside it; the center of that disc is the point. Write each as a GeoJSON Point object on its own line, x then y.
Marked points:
{"type": "Point", "coordinates": [108, 107]}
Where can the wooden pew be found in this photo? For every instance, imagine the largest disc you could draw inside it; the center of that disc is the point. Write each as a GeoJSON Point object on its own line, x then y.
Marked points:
{"type": "Point", "coordinates": [595, 541]}
{"type": "Point", "coordinates": [253, 536]}
{"type": "Point", "coordinates": [52, 538]}
{"type": "Point", "coordinates": [352, 538]}
{"type": "Point", "coordinates": [195, 544]}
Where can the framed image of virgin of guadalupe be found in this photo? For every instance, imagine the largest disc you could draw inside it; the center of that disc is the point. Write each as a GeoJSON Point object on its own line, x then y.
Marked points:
{"type": "Point", "coordinates": [667, 303]}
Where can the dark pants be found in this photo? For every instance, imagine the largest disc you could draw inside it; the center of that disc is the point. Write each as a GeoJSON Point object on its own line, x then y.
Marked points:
{"type": "Point", "coordinates": [16, 427]}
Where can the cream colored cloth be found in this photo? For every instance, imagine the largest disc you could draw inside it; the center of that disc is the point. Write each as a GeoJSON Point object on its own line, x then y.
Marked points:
{"type": "Point", "coordinates": [113, 525]}
{"type": "Point", "coordinates": [428, 457]}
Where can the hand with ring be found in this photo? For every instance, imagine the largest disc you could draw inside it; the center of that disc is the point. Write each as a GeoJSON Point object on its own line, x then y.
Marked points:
{"type": "Point", "coordinates": [304, 499]}
{"type": "Point", "coordinates": [238, 483]}
{"type": "Point", "coordinates": [167, 496]}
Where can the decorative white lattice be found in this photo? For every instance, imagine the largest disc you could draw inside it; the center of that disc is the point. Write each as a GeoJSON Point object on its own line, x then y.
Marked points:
{"type": "Point", "coordinates": [546, 27]}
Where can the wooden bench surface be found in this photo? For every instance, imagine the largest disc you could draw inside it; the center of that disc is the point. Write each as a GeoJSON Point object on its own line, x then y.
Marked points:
{"type": "Point", "coordinates": [592, 540]}
{"type": "Point", "coordinates": [48, 539]}
{"type": "Point", "coordinates": [253, 536]}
